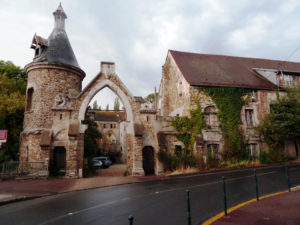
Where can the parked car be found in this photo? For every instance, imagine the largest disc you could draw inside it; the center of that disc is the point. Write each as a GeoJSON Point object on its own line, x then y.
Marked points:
{"type": "Point", "coordinates": [106, 162]}
{"type": "Point", "coordinates": [97, 163]}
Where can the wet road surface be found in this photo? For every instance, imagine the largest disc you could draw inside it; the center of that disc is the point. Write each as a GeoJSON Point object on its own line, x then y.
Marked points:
{"type": "Point", "coordinates": [156, 202]}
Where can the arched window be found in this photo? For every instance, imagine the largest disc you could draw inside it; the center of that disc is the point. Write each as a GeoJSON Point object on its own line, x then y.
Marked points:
{"type": "Point", "coordinates": [29, 99]}
{"type": "Point", "coordinates": [210, 116]}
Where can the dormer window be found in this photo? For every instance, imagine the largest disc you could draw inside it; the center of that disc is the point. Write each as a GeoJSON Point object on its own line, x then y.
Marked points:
{"type": "Point", "coordinates": [38, 44]}
{"type": "Point", "coordinates": [288, 79]}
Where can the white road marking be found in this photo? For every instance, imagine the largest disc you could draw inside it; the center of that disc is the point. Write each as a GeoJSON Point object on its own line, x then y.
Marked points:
{"type": "Point", "coordinates": [295, 187]}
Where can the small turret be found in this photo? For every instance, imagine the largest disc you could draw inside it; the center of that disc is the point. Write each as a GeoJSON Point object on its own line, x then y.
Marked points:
{"type": "Point", "coordinates": [56, 48]}
{"type": "Point", "coordinates": [59, 18]}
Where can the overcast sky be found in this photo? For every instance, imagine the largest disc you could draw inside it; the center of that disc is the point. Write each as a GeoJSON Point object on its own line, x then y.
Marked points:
{"type": "Point", "coordinates": [136, 34]}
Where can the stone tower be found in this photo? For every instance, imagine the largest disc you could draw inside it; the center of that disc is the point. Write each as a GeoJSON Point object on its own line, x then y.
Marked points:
{"type": "Point", "coordinates": [54, 81]}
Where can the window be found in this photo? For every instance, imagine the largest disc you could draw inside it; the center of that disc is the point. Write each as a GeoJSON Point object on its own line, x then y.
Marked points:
{"type": "Point", "coordinates": [253, 96]}
{"type": "Point", "coordinates": [252, 149]}
{"type": "Point", "coordinates": [180, 88]}
{"type": "Point", "coordinates": [147, 118]}
{"type": "Point", "coordinates": [111, 125]}
{"type": "Point", "coordinates": [287, 80]}
{"type": "Point", "coordinates": [37, 52]}
{"type": "Point", "coordinates": [26, 154]}
{"type": "Point", "coordinates": [249, 117]}
{"type": "Point", "coordinates": [104, 125]}
{"type": "Point", "coordinates": [210, 116]}
{"type": "Point", "coordinates": [178, 150]}
{"type": "Point", "coordinates": [29, 99]}
{"type": "Point", "coordinates": [213, 151]}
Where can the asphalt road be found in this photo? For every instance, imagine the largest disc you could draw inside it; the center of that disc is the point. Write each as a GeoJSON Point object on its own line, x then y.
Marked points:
{"type": "Point", "coordinates": [151, 203]}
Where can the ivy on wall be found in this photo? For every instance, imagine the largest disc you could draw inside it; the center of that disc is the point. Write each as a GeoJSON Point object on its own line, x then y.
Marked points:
{"type": "Point", "coordinates": [188, 127]}
{"type": "Point", "coordinates": [229, 101]}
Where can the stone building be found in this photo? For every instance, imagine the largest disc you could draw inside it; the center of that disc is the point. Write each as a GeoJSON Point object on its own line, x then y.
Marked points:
{"type": "Point", "coordinates": [56, 104]}
{"type": "Point", "coordinates": [110, 125]}
{"type": "Point", "coordinates": [185, 73]}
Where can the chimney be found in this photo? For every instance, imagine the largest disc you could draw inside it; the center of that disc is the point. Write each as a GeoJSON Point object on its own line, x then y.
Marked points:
{"type": "Point", "coordinates": [108, 68]}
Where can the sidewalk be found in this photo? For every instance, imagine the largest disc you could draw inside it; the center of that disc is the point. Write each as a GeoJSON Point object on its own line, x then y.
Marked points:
{"type": "Point", "coordinates": [282, 209]}
{"type": "Point", "coordinates": [17, 190]}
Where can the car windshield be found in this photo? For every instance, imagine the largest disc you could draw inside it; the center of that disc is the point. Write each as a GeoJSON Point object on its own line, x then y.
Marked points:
{"type": "Point", "coordinates": [101, 158]}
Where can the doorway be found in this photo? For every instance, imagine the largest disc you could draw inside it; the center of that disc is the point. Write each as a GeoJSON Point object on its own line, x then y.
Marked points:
{"type": "Point", "coordinates": [59, 158]}
{"type": "Point", "coordinates": [148, 160]}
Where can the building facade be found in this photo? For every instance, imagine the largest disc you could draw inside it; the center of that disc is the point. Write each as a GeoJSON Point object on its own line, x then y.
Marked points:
{"type": "Point", "coordinates": [56, 104]}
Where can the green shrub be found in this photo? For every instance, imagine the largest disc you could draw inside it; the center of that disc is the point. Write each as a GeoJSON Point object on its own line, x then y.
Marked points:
{"type": "Point", "coordinates": [188, 159]}
{"type": "Point", "coordinates": [169, 161]}
{"type": "Point", "coordinates": [234, 163]}
{"type": "Point", "coordinates": [265, 157]}
{"type": "Point", "coordinates": [212, 161]}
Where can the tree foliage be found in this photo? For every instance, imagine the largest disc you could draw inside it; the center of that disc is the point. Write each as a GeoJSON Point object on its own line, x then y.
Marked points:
{"type": "Point", "coordinates": [95, 105]}
{"type": "Point", "coordinates": [150, 97]}
{"type": "Point", "coordinates": [117, 104]}
{"type": "Point", "coordinates": [90, 139]}
{"type": "Point", "coordinates": [188, 127]}
{"type": "Point", "coordinates": [283, 122]}
{"type": "Point", "coordinates": [12, 105]}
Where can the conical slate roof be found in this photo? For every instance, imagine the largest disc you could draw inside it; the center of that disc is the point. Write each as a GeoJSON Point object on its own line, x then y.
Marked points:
{"type": "Point", "coordinates": [59, 49]}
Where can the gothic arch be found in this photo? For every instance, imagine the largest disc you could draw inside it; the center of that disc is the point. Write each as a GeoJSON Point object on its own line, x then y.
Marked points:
{"type": "Point", "coordinates": [114, 83]}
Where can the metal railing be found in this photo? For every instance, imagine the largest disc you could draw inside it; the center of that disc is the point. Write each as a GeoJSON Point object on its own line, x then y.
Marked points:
{"type": "Point", "coordinates": [17, 169]}
{"type": "Point", "coordinates": [286, 182]}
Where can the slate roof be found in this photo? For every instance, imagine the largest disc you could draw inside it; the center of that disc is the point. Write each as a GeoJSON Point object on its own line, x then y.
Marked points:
{"type": "Point", "coordinates": [111, 116]}
{"type": "Point", "coordinates": [59, 49]}
{"type": "Point", "coordinates": [227, 71]}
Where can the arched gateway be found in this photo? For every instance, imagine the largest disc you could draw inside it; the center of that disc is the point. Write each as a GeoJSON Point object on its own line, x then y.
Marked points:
{"type": "Point", "coordinates": [108, 78]}
{"type": "Point", "coordinates": [56, 106]}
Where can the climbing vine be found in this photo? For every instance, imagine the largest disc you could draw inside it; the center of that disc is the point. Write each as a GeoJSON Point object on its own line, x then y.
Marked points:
{"type": "Point", "coordinates": [188, 127]}
{"type": "Point", "coordinates": [229, 101]}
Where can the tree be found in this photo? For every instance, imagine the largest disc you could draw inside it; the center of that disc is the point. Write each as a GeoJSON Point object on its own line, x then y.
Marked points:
{"type": "Point", "coordinates": [107, 107]}
{"type": "Point", "coordinates": [12, 105]}
{"type": "Point", "coordinates": [283, 122]}
{"type": "Point", "coordinates": [90, 146]}
{"type": "Point", "coordinates": [150, 97]}
{"type": "Point", "coordinates": [117, 104]}
{"type": "Point", "coordinates": [95, 105]}
{"type": "Point", "coordinates": [90, 139]}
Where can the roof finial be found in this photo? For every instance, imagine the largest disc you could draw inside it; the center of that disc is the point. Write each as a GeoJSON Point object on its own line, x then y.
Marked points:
{"type": "Point", "coordinates": [59, 17]}
{"type": "Point", "coordinates": [60, 7]}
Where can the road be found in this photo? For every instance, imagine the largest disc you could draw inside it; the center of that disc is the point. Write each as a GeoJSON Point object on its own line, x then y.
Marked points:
{"type": "Point", "coordinates": [151, 203]}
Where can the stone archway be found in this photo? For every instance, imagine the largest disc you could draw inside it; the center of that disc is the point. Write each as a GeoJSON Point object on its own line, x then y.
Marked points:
{"type": "Point", "coordinates": [108, 78]}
